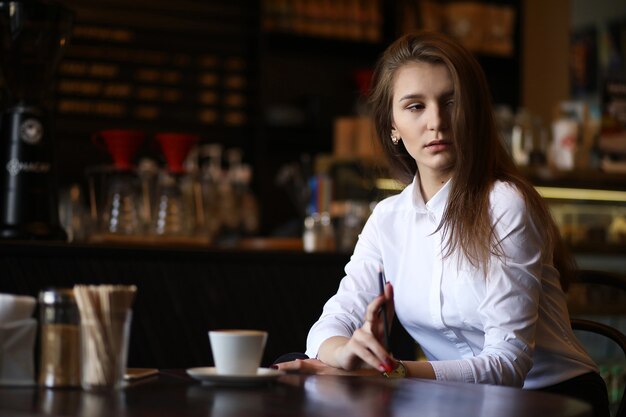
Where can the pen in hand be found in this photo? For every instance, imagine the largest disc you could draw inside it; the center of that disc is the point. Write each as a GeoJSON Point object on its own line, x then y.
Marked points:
{"type": "Point", "coordinates": [382, 281]}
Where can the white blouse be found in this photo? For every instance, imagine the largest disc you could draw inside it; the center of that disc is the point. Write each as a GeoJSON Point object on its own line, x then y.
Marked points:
{"type": "Point", "coordinates": [509, 328]}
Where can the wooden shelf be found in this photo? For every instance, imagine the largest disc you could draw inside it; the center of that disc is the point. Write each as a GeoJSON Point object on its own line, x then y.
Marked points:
{"type": "Point", "coordinates": [581, 178]}
{"type": "Point", "coordinates": [289, 42]}
{"type": "Point", "coordinates": [599, 248]}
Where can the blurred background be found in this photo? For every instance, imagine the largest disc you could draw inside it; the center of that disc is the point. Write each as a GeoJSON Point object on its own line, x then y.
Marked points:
{"type": "Point", "coordinates": [268, 97]}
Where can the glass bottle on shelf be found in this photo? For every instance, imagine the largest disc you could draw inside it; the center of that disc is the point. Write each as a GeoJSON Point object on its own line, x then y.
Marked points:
{"type": "Point", "coordinates": [240, 177]}
{"type": "Point", "coordinates": [171, 213]}
{"type": "Point", "coordinates": [73, 214]}
{"type": "Point", "coordinates": [121, 211]}
{"type": "Point", "coordinates": [174, 207]}
{"type": "Point", "coordinates": [148, 173]}
{"type": "Point", "coordinates": [229, 209]}
{"type": "Point", "coordinates": [319, 233]}
{"type": "Point", "coordinates": [211, 177]}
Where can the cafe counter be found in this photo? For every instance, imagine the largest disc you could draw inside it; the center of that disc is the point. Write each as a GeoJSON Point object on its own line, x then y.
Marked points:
{"type": "Point", "coordinates": [185, 291]}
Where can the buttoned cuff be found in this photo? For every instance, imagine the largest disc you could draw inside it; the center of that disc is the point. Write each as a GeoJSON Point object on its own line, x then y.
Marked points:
{"type": "Point", "coordinates": [457, 370]}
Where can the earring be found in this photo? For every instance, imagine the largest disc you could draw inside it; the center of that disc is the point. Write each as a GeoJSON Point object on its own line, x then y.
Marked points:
{"type": "Point", "coordinates": [395, 139]}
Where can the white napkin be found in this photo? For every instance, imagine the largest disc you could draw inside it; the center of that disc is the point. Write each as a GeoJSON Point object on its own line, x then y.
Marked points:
{"type": "Point", "coordinates": [17, 340]}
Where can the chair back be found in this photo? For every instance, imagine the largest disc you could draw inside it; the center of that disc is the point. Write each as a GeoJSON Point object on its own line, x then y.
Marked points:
{"type": "Point", "coordinates": [600, 311]}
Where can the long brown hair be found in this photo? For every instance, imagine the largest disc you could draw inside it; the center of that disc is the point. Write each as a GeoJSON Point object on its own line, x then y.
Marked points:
{"type": "Point", "coordinates": [481, 157]}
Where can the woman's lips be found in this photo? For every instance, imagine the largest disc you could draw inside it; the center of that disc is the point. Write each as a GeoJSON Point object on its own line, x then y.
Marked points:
{"type": "Point", "coordinates": [438, 145]}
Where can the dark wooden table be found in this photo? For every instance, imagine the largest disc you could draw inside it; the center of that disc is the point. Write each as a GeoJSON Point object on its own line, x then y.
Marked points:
{"type": "Point", "coordinates": [172, 393]}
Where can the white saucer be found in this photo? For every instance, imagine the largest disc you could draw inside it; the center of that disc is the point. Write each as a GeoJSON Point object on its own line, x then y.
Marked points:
{"type": "Point", "coordinates": [210, 375]}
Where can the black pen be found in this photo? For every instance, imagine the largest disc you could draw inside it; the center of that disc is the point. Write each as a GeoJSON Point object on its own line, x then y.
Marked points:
{"type": "Point", "coordinates": [382, 281]}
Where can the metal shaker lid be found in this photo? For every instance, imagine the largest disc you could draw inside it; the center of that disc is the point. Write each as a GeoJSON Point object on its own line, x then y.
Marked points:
{"type": "Point", "coordinates": [57, 296]}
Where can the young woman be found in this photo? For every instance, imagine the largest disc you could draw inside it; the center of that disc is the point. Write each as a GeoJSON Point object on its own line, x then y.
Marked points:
{"type": "Point", "coordinates": [475, 265]}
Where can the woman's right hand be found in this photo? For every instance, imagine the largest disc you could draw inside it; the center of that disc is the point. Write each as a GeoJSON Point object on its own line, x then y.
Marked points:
{"type": "Point", "coordinates": [364, 348]}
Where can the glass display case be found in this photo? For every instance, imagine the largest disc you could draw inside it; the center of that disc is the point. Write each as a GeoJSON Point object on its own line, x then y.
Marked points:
{"type": "Point", "coordinates": [589, 207]}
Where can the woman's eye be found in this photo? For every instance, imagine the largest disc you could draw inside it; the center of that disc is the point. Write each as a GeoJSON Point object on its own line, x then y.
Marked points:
{"type": "Point", "coordinates": [414, 107]}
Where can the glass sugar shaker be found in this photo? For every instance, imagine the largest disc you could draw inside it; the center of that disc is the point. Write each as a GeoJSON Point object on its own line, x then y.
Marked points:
{"type": "Point", "coordinates": [60, 338]}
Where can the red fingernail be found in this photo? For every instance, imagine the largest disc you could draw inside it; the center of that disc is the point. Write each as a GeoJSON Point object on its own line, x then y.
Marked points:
{"type": "Point", "coordinates": [386, 367]}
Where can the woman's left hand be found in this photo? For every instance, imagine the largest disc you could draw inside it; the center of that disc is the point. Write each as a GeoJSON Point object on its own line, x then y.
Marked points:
{"type": "Point", "coordinates": [317, 367]}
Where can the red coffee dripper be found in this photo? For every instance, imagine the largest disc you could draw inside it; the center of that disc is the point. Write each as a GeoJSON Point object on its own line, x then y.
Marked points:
{"type": "Point", "coordinates": [176, 147]}
{"type": "Point", "coordinates": [121, 144]}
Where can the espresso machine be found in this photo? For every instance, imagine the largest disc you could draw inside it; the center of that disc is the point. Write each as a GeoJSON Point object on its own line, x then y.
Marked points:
{"type": "Point", "coordinates": [33, 36]}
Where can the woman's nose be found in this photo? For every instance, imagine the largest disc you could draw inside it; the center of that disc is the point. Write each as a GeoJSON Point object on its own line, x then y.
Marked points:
{"type": "Point", "coordinates": [437, 118]}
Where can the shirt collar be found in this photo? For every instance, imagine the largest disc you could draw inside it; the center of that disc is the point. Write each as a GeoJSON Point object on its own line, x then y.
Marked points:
{"type": "Point", "coordinates": [437, 203]}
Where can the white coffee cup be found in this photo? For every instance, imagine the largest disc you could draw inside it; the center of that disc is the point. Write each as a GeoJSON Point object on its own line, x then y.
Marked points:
{"type": "Point", "coordinates": [237, 352]}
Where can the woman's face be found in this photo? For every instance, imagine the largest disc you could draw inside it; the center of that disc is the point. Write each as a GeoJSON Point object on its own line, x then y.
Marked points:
{"type": "Point", "coordinates": [422, 108]}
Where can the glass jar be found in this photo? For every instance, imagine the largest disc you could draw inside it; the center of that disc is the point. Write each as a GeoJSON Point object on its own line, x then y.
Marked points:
{"type": "Point", "coordinates": [60, 338]}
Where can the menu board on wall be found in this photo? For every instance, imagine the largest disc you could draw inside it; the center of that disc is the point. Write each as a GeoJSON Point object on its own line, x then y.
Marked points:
{"type": "Point", "coordinates": [181, 65]}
